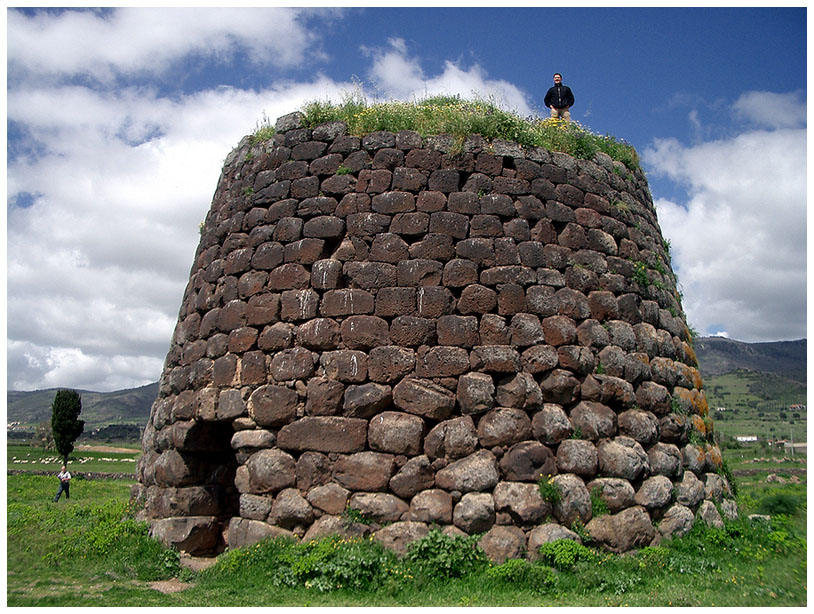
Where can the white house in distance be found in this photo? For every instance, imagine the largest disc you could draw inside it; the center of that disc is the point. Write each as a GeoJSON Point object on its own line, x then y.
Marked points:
{"type": "Point", "coordinates": [746, 438]}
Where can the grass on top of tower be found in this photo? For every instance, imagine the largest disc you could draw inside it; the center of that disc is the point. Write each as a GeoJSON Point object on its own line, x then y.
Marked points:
{"type": "Point", "coordinates": [459, 118]}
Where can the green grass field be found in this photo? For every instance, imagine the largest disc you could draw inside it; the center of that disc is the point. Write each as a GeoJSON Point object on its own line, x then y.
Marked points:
{"type": "Point", "coordinates": [88, 552]}
{"type": "Point", "coordinates": [101, 459]}
{"type": "Point", "coordinates": [757, 404]}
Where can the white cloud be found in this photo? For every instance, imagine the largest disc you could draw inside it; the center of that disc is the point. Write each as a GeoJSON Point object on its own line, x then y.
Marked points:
{"type": "Point", "coordinates": [739, 239]}
{"type": "Point", "coordinates": [772, 110]}
{"type": "Point", "coordinates": [148, 40]}
{"type": "Point", "coordinates": [120, 179]}
{"type": "Point", "coordinates": [398, 76]}
{"type": "Point", "coordinates": [54, 366]}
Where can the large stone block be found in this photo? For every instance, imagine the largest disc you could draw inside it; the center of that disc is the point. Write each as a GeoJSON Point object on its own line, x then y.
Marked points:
{"type": "Point", "coordinates": [452, 439]}
{"type": "Point", "coordinates": [273, 405]}
{"type": "Point", "coordinates": [416, 475]}
{"type": "Point", "coordinates": [503, 427]}
{"type": "Point", "coordinates": [476, 472]}
{"type": "Point", "coordinates": [366, 400]}
{"type": "Point", "coordinates": [631, 528]}
{"type": "Point", "coordinates": [503, 542]}
{"type": "Point", "coordinates": [476, 392]}
{"type": "Point", "coordinates": [432, 506]}
{"type": "Point", "coordinates": [378, 506]}
{"type": "Point", "coordinates": [399, 535]}
{"type": "Point", "coordinates": [423, 398]}
{"type": "Point", "coordinates": [396, 433]}
{"type": "Point", "coordinates": [271, 471]}
{"type": "Point", "coordinates": [244, 532]}
{"type": "Point", "coordinates": [192, 534]}
{"type": "Point", "coordinates": [622, 457]}
{"type": "Point", "coordinates": [551, 425]}
{"type": "Point", "coordinates": [324, 434]}
{"type": "Point", "coordinates": [474, 513]}
{"type": "Point", "coordinates": [594, 420]}
{"type": "Point", "coordinates": [522, 501]}
{"type": "Point", "coordinates": [364, 471]}
{"type": "Point", "coordinates": [575, 501]}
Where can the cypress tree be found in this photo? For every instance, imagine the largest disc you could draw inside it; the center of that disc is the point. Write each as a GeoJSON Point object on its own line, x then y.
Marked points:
{"type": "Point", "coordinates": [65, 423]}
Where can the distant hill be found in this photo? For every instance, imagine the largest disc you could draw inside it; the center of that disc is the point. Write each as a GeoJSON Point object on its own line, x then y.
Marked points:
{"type": "Point", "coordinates": [718, 355]}
{"type": "Point", "coordinates": [99, 409]}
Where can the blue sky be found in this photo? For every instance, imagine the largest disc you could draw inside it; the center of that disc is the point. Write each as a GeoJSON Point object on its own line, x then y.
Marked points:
{"type": "Point", "coordinates": [119, 121]}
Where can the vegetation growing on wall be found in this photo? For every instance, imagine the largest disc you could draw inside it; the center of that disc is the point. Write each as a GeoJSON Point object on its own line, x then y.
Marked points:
{"type": "Point", "coordinates": [460, 118]}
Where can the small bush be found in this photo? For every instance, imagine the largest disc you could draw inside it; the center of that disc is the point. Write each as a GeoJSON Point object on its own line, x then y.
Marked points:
{"type": "Point", "coordinates": [598, 505]}
{"type": "Point", "coordinates": [725, 472]}
{"type": "Point", "coordinates": [351, 515]}
{"type": "Point", "coordinates": [437, 555]}
{"type": "Point", "coordinates": [549, 490]}
{"type": "Point", "coordinates": [328, 564]}
{"type": "Point", "coordinates": [564, 554]}
{"type": "Point", "coordinates": [779, 503]}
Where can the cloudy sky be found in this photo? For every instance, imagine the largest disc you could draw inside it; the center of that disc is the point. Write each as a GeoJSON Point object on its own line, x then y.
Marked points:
{"type": "Point", "coordinates": [119, 121]}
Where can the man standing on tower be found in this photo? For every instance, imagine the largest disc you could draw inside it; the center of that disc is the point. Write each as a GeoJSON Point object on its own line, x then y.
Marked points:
{"type": "Point", "coordinates": [559, 99]}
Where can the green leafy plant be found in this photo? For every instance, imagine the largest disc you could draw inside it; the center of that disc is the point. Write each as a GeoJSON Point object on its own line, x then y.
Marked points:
{"type": "Point", "coordinates": [549, 490]}
{"type": "Point", "coordinates": [263, 131]}
{"type": "Point", "coordinates": [598, 505]}
{"type": "Point", "coordinates": [579, 528]}
{"type": "Point", "coordinates": [351, 515]}
{"type": "Point", "coordinates": [564, 554]}
{"type": "Point", "coordinates": [640, 274]}
{"type": "Point", "coordinates": [677, 407]}
{"type": "Point", "coordinates": [327, 564]}
{"type": "Point", "coordinates": [343, 170]}
{"type": "Point", "coordinates": [726, 472]}
{"type": "Point", "coordinates": [437, 555]}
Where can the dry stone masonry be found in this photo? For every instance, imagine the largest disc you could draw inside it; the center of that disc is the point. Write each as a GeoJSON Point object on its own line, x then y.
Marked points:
{"type": "Point", "coordinates": [386, 333]}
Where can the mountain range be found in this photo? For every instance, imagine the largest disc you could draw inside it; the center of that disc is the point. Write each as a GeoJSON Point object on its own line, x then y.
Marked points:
{"type": "Point", "coordinates": [130, 406]}
{"type": "Point", "coordinates": [719, 355]}
{"type": "Point", "coordinates": [716, 356]}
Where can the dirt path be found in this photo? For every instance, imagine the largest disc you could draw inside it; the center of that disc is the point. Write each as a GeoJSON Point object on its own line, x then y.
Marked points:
{"type": "Point", "coordinates": [90, 448]}
{"type": "Point", "coordinates": [173, 585]}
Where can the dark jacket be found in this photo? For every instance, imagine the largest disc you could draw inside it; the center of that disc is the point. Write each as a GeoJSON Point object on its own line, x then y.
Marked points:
{"type": "Point", "coordinates": [559, 96]}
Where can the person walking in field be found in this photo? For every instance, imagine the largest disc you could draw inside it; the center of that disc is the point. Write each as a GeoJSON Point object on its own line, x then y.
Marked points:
{"type": "Point", "coordinates": [64, 483]}
{"type": "Point", "coordinates": [559, 99]}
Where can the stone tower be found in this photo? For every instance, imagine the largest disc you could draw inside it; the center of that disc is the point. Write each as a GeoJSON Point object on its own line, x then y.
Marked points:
{"type": "Point", "coordinates": [389, 325]}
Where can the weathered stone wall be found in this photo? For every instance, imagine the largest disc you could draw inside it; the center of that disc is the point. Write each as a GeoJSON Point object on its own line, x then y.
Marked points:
{"type": "Point", "coordinates": [384, 324]}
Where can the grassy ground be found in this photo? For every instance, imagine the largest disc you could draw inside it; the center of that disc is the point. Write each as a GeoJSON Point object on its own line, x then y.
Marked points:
{"type": "Point", "coordinates": [85, 458]}
{"type": "Point", "coordinates": [80, 553]}
{"type": "Point", "coordinates": [757, 404]}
